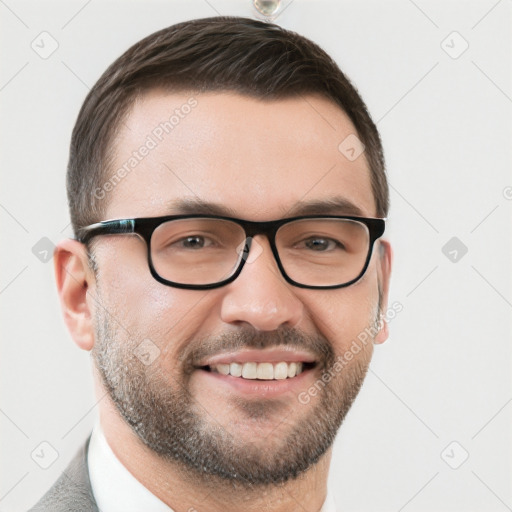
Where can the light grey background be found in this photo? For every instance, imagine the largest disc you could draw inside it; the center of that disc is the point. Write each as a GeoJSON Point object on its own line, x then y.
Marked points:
{"type": "Point", "coordinates": [445, 118]}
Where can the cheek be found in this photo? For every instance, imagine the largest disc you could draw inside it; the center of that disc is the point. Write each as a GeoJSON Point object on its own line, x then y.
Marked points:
{"type": "Point", "coordinates": [343, 315]}
{"type": "Point", "coordinates": [146, 308]}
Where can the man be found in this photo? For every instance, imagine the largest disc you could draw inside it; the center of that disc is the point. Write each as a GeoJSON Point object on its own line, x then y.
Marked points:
{"type": "Point", "coordinates": [227, 191]}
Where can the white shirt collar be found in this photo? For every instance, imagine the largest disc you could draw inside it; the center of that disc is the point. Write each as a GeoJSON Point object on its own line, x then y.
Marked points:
{"type": "Point", "coordinates": [117, 490]}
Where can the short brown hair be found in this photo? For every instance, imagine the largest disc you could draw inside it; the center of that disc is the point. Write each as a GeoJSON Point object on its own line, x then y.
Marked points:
{"type": "Point", "coordinates": [236, 54]}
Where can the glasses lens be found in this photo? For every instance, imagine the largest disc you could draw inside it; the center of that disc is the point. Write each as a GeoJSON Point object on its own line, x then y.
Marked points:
{"type": "Point", "coordinates": [197, 251]}
{"type": "Point", "coordinates": [313, 252]}
{"type": "Point", "coordinates": [323, 252]}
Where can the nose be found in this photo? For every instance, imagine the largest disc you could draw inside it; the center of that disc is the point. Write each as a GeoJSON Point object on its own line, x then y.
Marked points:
{"type": "Point", "coordinates": [260, 296]}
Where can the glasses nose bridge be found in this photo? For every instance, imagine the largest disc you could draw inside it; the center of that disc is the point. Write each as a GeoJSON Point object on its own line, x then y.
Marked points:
{"type": "Point", "coordinates": [268, 229]}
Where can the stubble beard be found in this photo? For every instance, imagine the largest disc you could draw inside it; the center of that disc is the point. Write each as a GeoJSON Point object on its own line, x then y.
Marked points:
{"type": "Point", "coordinates": [174, 425]}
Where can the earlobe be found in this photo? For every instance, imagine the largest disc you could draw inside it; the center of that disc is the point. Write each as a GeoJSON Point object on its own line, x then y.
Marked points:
{"type": "Point", "coordinates": [74, 279]}
{"type": "Point", "coordinates": [383, 333]}
{"type": "Point", "coordinates": [384, 265]}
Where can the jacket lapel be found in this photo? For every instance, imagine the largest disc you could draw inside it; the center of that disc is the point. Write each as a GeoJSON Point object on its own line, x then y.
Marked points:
{"type": "Point", "coordinates": [72, 491]}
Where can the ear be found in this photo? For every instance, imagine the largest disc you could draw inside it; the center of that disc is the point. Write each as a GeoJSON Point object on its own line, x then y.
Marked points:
{"type": "Point", "coordinates": [384, 262]}
{"type": "Point", "coordinates": [75, 279]}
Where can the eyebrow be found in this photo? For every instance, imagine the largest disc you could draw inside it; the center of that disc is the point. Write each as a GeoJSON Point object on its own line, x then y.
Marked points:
{"type": "Point", "coordinates": [330, 206]}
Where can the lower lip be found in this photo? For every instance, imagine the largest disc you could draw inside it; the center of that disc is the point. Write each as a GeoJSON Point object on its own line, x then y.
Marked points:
{"type": "Point", "coordinates": [260, 388]}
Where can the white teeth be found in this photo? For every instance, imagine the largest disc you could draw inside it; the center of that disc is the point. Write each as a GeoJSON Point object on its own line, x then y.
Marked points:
{"type": "Point", "coordinates": [235, 369]}
{"type": "Point", "coordinates": [223, 368]}
{"type": "Point", "coordinates": [261, 371]}
{"type": "Point", "coordinates": [280, 371]}
{"type": "Point", "coordinates": [249, 370]}
{"type": "Point", "coordinates": [265, 371]}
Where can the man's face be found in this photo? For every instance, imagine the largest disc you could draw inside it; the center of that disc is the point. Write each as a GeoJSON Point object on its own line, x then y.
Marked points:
{"type": "Point", "coordinates": [259, 160]}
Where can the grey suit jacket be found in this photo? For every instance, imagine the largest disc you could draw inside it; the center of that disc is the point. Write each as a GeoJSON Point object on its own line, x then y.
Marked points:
{"type": "Point", "coordinates": [72, 492]}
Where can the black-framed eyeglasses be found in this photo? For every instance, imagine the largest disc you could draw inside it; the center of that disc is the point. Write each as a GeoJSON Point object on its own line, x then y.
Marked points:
{"type": "Point", "coordinates": [199, 252]}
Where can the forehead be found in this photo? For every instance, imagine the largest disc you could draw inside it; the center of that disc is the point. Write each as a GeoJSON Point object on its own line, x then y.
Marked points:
{"type": "Point", "coordinates": [256, 159]}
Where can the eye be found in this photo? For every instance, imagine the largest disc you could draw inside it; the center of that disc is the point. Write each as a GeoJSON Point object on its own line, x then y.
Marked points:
{"type": "Point", "coordinates": [193, 242]}
{"type": "Point", "coordinates": [322, 244]}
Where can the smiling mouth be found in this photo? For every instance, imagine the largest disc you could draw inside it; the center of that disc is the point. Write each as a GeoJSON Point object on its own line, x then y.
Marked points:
{"type": "Point", "coordinates": [260, 371]}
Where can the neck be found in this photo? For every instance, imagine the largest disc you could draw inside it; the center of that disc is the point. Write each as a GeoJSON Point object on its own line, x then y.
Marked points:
{"type": "Point", "coordinates": [178, 488]}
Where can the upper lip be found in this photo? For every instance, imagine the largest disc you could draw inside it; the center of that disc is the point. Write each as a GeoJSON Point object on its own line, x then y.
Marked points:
{"type": "Point", "coordinates": [260, 356]}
